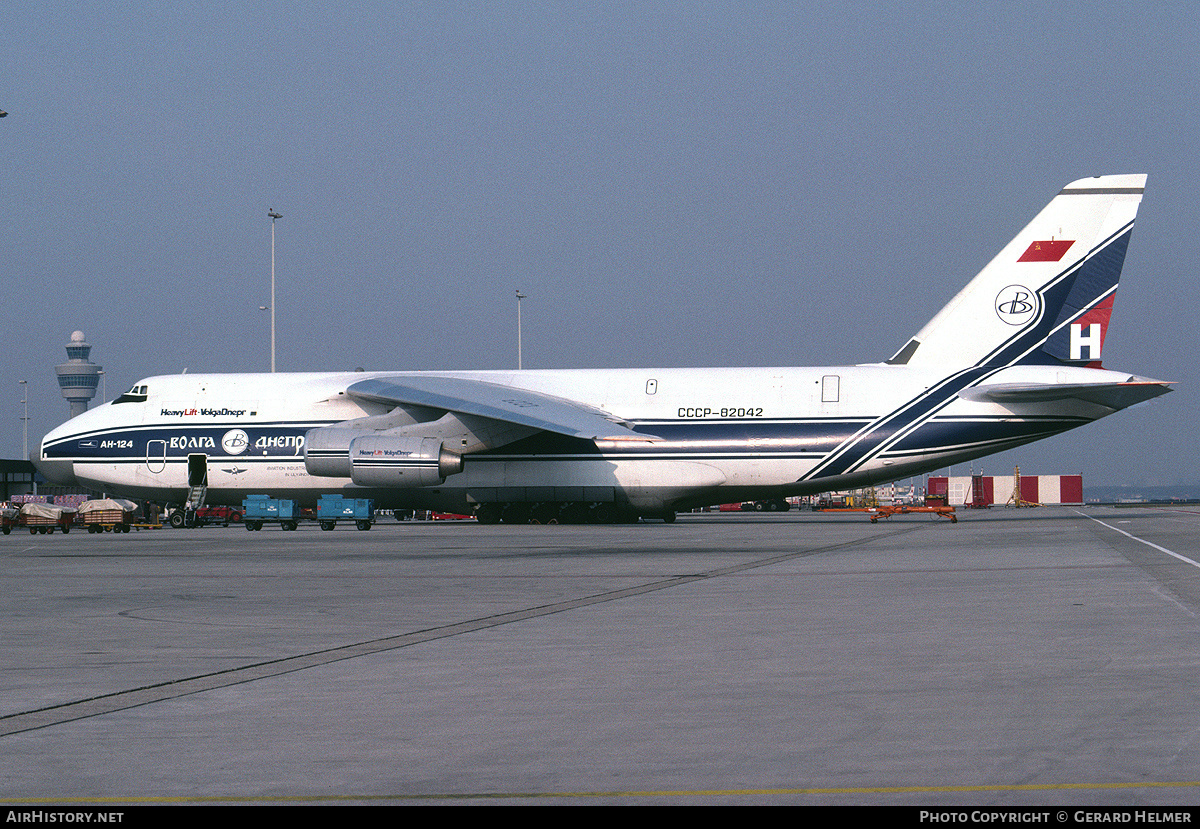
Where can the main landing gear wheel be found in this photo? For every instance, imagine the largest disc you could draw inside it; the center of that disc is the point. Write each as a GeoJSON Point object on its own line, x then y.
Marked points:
{"type": "Point", "coordinates": [488, 514]}
{"type": "Point", "coordinates": [544, 514]}
{"type": "Point", "coordinates": [564, 512]}
{"type": "Point", "coordinates": [515, 513]}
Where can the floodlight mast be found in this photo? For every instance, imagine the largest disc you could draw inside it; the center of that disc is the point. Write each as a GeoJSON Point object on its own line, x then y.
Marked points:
{"type": "Point", "coordinates": [520, 296]}
{"type": "Point", "coordinates": [271, 212]}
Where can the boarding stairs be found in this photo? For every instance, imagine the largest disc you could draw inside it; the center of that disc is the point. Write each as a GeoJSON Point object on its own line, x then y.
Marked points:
{"type": "Point", "coordinates": [195, 498]}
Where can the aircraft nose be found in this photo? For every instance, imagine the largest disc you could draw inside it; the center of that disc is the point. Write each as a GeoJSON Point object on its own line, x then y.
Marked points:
{"type": "Point", "coordinates": [56, 472]}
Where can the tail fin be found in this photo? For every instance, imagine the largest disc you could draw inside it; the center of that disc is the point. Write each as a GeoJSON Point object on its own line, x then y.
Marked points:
{"type": "Point", "coordinates": [1046, 298]}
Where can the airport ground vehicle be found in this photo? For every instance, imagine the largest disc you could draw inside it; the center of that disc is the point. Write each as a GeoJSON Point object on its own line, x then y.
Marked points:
{"type": "Point", "coordinates": [222, 515]}
{"type": "Point", "coordinates": [769, 505]}
{"type": "Point", "coordinates": [262, 509]}
{"type": "Point", "coordinates": [45, 518]}
{"type": "Point", "coordinates": [198, 517]}
{"type": "Point", "coordinates": [107, 515]}
{"type": "Point", "coordinates": [334, 508]}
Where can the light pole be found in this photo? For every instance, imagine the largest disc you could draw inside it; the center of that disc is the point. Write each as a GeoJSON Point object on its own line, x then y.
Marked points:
{"type": "Point", "coordinates": [271, 212]}
{"type": "Point", "coordinates": [520, 296]}
{"type": "Point", "coordinates": [25, 420]}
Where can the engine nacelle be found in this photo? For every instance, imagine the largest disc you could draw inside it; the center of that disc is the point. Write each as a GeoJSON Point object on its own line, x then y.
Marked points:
{"type": "Point", "coordinates": [327, 448]}
{"type": "Point", "coordinates": [327, 451]}
{"type": "Point", "coordinates": [386, 461]}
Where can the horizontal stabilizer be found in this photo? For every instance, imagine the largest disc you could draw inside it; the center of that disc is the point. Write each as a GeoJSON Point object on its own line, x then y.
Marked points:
{"type": "Point", "coordinates": [1114, 396]}
{"type": "Point", "coordinates": [503, 403]}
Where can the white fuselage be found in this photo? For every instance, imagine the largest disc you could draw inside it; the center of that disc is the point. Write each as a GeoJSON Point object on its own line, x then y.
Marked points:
{"type": "Point", "coordinates": [723, 434]}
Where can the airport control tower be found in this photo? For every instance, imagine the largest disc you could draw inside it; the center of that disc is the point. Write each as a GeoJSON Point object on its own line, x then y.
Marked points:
{"type": "Point", "coordinates": [78, 376]}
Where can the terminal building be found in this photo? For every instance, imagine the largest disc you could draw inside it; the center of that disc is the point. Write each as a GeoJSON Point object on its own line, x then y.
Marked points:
{"type": "Point", "coordinates": [16, 478]}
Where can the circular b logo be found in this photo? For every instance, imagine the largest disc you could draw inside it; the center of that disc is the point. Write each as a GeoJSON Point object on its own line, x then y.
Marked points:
{"type": "Point", "coordinates": [235, 442]}
{"type": "Point", "coordinates": [1016, 305]}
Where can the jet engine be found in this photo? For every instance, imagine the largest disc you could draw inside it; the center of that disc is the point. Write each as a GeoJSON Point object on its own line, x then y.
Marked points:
{"type": "Point", "coordinates": [393, 461]}
{"type": "Point", "coordinates": [327, 451]}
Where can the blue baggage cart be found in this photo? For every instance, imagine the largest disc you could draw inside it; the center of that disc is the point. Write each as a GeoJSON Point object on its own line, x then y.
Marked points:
{"type": "Point", "coordinates": [334, 508]}
{"type": "Point", "coordinates": [263, 509]}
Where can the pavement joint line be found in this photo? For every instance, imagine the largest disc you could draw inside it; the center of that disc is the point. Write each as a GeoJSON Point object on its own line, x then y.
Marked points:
{"type": "Point", "coordinates": [23, 721]}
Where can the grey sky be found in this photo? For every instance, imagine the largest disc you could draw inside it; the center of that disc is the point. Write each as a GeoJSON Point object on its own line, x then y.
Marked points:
{"type": "Point", "coordinates": [671, 184]}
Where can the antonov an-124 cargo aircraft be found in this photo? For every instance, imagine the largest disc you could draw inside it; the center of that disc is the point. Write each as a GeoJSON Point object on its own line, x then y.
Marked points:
{"type": "Point", "coordinates": [1014, 357]}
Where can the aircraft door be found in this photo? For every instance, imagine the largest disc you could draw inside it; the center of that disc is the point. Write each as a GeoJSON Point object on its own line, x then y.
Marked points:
{"type": "Point", "coordinates": [197, 470]}
{"type": "Point", "coordinates": [156, 455]}
{"type": "Point", "coordinates": [831, 388]}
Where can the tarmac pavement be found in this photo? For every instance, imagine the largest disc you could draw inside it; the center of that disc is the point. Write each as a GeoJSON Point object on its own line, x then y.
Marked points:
{"type": "Point", "coordinates": [1018, 657]}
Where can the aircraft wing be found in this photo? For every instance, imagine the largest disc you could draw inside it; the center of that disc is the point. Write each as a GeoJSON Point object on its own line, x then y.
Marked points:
{"type": "Point", "coordinates": [496, 402]}
{"type": "Point", "coordinates": [1115, 396]}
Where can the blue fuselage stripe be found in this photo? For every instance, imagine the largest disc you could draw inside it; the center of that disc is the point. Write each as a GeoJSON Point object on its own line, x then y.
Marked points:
{"type": "Point", "coordinates": [795, 440]}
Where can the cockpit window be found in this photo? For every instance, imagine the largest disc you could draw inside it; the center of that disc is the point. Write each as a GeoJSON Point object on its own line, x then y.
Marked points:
{"type": "Point", "coordinates": [137, 394]}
